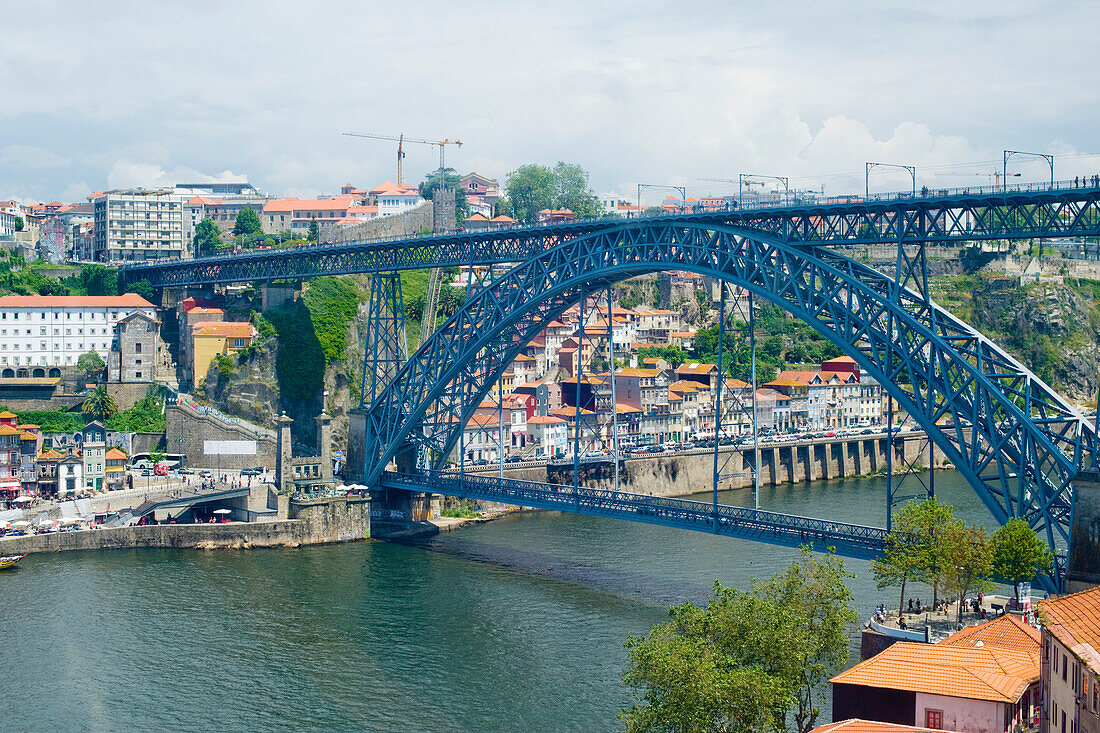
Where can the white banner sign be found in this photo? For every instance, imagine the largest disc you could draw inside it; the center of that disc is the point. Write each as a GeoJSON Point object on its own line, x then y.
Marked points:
{"type": "Point", "coordinates": [229, 447]}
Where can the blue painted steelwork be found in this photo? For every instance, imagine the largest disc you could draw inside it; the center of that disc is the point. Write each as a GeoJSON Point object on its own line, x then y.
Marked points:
{"type": "Point", "coordinates": [941, 216]}
{"type": "Point", "coordinates": [849, 540]}
{"type": "Point", "coordinates": [1016, 441]}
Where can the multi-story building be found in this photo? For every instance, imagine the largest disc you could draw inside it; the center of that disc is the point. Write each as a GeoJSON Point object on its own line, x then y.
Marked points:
{"type": "Point", "coordinates": [647, 390]}
{"type": "Point", "coordinates": [70, 476]}
{"type": "Point", "coordinates": [40, 335]}
{"type": "Point", "coordinates": [213, 338]}
{"type": "Point", "coordinates": [134, 225]}
{"type": "Point", "coordinates": [10, 461]}
{"type": "Point", "coordinates": [133, 356]}
{"type": "Point", "coordinates": [1071, 663]}
{"type": "Point", "coordinates": [93, 451]}
{"type": "Point", "coordinates": [30, 441]}
{"type": "Point", "coordinates": [9, 212]}
{"type": "Point", "coordinates": [47, 472]}
{"type": "Point", "coordinates": [116, 469]}
{"type": "Point", "coordinates": [549, 436]}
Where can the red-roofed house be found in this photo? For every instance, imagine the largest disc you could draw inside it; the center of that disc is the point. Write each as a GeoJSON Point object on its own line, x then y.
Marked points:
{"type": "Point", "coordinates": [1071, 662]}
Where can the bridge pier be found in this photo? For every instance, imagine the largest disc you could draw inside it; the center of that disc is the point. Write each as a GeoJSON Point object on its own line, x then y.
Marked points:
{"type": "Point", "coordinates": [1083, 562]}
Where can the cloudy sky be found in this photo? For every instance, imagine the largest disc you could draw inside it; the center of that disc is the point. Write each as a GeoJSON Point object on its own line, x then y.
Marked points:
{"type": "Point", "coordinates": [100, 95]}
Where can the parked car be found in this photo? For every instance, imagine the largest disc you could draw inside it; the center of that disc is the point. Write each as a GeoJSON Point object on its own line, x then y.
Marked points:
{"type": "Point", "coordinates": [185, 471]}
{"type": "Point", "coordinates": [206, 473]}
{"type": "Point", "coordinates": [259, 471]}
{"type": "Point", "coordinates": [513, 459]}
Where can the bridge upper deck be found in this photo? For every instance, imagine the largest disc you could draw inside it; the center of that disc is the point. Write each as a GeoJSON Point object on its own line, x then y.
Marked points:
{"type": "Point", "coordinates": [941, 215]}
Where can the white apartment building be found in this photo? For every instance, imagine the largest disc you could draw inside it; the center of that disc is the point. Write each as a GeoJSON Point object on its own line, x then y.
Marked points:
{"type": "Point", "coordinates": [40, 333]}
{"type": "Point", "coordinates": [133, 225]}
{"type": "Point", "coordinates": [9, 212]}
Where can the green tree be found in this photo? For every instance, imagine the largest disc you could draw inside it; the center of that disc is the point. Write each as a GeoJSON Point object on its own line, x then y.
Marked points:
{"type": "Point", "coordinates": [1019, 554]}
{"type": "Point", "coordinates": [970, 562]}
{"type": "Point", "coordinates": [918, 547]}
{"type": "Point", "coordinates": [571, 190]}
{"type": "Point", "coordinates": [747, 660]}
{"type": "Point", "coordinates": [144, 288]}
{"type": "Point", "coordinates": [19, 223]}
{"type": "Point", "coordinates": [450, 179]}
{"type": "Point", "coordinates": [247, 223]}
{"type": "Point", "coordinates": [98, 404]}
{"type": "Point", "coordinates": [91, 364]}
{"type": "Point", "coordinates": [674, 355]}
{"type": "Point", "coordinates": [208, 238]}
{"type": "Point", "coordinates": [314, 230]}
{"type": "Point", "coordinates": [530, 189]}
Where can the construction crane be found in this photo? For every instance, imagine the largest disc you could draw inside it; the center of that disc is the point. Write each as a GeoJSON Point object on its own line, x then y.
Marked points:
{"type": "Point", "coordinates": [401, 140]}
{"type": "Point", "coordinates": [995, 175]}
{"type": "Point", "coordinates": [435, 281]}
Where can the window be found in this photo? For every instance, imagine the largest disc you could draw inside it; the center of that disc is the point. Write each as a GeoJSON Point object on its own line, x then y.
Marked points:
{"type": "Point", "coordinates": [1065, 670]}
{"type": "Point", "coordinates": [137, 348]}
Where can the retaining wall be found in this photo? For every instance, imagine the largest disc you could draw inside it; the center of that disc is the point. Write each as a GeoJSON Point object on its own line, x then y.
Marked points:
{"type": "Point", "coordinates": [320, 521]}
{"type": "Point", "coordinates": [187, 431]}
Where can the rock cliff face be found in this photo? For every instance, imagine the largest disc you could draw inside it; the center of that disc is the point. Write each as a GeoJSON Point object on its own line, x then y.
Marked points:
{"type": "Point", "coordinates": [251, 390]}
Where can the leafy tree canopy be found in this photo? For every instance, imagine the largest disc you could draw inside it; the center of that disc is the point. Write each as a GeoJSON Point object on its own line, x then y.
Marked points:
{"type": "Point", "coordinates": [450, 179]}
{"type": "Point", "coordinates": [314, 230]}
{"type": "Point", "coordinates": [247, 223]}
{"type": "Point", "coordinates": [98, 404]}
{"type": "Point", "coordinates": [1019, 554]}
{"type": "Point", "coordinates": [208, 238]}
{"type": "Point", "coordinates": [90, 363]}
{"type": "Point", "coordinates": [747, 660]}
{"type": "Point", "coordinates": [533, 187]}
{"type": "Point", "coordinates": [144, 288]}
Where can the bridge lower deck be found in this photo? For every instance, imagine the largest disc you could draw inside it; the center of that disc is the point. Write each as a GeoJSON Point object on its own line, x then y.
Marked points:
{"type": "Point", "coordinates": [848, 540]}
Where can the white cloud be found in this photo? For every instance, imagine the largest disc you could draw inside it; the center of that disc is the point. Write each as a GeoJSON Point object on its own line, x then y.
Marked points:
{"type": "Point", "coordinates": [29, 158]}
{"type": "Point", "coordinates": [130, 174]}
{"type": "Point", "coordinates": [651, 91]}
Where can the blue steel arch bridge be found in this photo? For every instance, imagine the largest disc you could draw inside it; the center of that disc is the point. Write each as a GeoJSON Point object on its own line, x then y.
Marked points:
{"type": "Point", "coordinates": [1018, 443]}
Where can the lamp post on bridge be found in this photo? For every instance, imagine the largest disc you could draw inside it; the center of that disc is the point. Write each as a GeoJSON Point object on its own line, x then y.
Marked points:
{"type": "Point", "coordinates": [681, 189]}
{"type": "Point", "coordinates": [867, 175]}
{"type": "Point", "coordinates": [745, 179]}
{"type": "Point", "coordinates": [1010, 153]}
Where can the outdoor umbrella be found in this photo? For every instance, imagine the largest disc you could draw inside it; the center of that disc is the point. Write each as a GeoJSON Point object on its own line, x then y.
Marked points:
{"type": "Point", "coordinates": [22, 498]}
{"type": "Point", "coordinates": [223, 511]}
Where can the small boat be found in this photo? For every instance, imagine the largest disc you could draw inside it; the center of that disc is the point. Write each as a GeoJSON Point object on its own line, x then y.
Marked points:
{"type": "Point", "coordinates": [8, 560]}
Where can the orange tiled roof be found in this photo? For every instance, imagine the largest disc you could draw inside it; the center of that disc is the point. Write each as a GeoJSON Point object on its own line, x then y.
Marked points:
{"type": "Point", "coordinates": [631, 372]}
{"type": "Point", "coordinates": [5, 415]}
{"type": "Point", "coordinates": [855, 725]}
{"type": "Point", "coordinates": [696, 368]}
{"type": "Point", "coordinates": [115, 454]}
{"type": "Point", "coordinates": [545, 420]}
{"type": "Point", "coordinates": [1074, 620]}
{"type": "Point", "coordinates": [1007, 632]}
{"type": "Point", "coordinates": [683, 387]}
{"type": "Point", "coordinates": [973, 673]}
{"type": "Point", "coordinates": [129, 300]}
{"type": "Point", "coordinates": [28, 436]}
{"type": "Point", "coordinates": [9, 430]}
{"type": "Point", "coordinates": [228, 329]}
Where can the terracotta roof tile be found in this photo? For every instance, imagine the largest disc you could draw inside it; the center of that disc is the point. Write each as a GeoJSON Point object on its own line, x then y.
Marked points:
{"type": "Point", "coordinates": [855, 725]}
{"type": "Point", "coordinates": [228, 329]}
{"type": "Point", "coordinates": [1007, 632]}
{"type": "Point", "coordinates": [1075, 621]}
{"type": "Point", "coordinates": [974, 673]}
{"type": "Point", "coordinates": [129, 300]}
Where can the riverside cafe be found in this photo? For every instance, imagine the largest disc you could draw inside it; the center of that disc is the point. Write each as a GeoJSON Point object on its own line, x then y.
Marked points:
{"type": "Point", "coordinates": [10, 490]}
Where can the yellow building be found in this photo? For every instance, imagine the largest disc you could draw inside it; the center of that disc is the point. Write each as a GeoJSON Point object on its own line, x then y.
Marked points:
{"type": "Point", "coordinates": [212, 338]}
{"type": "Point", "coordinates": [116, 469]}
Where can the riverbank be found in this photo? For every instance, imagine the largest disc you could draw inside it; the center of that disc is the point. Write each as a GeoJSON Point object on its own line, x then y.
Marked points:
{"type": "Point", "coordinates": [310, 522]}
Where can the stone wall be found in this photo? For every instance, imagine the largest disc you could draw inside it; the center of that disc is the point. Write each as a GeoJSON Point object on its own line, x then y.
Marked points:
{"type": "Point", "coordinates": [126, 394]}
{"type": "Point", "coordinates": [338, 519]}
{"type": "Point", "coordinates": [406, 224]}
{"type": "Point", "coordinates": [187, 431]}
{"type": "Point", "coordinates": [676, 474]}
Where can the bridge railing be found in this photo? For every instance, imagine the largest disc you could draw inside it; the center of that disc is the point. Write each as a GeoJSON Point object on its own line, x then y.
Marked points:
{"type": "Point", "coordinates": [788, 529]}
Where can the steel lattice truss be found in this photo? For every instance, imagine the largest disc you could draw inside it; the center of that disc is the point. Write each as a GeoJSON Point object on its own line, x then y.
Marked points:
{"type": "Point", "coordinates": [1018, 443]}
{"type": "Point", "coordinates": [850, 540]}
{"type": "Point", "coordinates": [914, 221]}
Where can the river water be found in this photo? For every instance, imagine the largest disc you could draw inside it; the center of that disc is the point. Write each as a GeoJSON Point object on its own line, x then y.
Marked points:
{"type": "Point", "coordinates": [512, 625]}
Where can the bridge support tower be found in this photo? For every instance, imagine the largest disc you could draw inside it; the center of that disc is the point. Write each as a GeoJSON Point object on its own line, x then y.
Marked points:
{"type": "Point", "coordinates": [1083, 566]}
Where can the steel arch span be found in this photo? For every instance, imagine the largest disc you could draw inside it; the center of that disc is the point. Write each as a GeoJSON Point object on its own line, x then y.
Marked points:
{"type": "Point", "coordinates": [1018, 442]}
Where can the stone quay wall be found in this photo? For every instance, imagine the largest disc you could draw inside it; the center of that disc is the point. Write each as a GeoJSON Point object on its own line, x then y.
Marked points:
{"type": "Point", "coordinates": [677, 474]}
{"type": "Point", "coordinates": [314, 522]}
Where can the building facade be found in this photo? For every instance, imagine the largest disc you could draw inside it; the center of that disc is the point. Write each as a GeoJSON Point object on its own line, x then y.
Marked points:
{"type": "Point", "coordinates": [41, 334]}
{"type": "Point", "coordinates": [135, 225]}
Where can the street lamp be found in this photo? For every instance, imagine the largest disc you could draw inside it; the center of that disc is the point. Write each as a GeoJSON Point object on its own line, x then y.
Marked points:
{"type": "Point", "coordinates": [744, 179]}
{"type": "Point", "coordinates": [1010, 153]}
{"type": "Point", "coordinates": [681, 189]}
{"type": "Point", "coordinates": [867, 175]}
